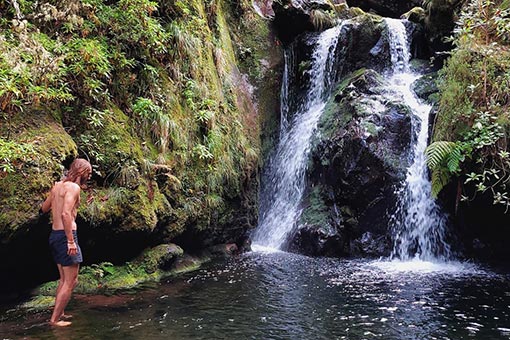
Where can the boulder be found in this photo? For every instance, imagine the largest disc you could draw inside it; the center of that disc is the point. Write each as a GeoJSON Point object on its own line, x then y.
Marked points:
{"type": "Point", "coordinates": [426, 88]}
{"type": "Point", "coordinates": [360, 155]}
{"type": "Point", "coordinates": [224, 250]}
{"type": "Point", "coordinates": [439, 23]}
{"type": "Point", "coordinates": [416, 15]}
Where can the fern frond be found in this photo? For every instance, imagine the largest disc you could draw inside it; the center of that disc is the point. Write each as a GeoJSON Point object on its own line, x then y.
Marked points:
{"type": "Point", "coordinates": [440, 178]}
{"type": "Point", "coordinates": [455, 157]}
{"type": "Point", "coordinates": [438, 152]}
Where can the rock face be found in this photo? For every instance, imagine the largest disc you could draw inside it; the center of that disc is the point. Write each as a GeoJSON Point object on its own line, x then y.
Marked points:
{"type": "Point", "coordinates": [294, 17]}
{"type": "Point", "coordinates": [361, 154]}
{"type": "Point", "coordinates": [440, 21]}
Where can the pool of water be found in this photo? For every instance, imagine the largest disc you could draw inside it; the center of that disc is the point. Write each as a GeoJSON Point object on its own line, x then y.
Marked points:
{"type": "Point", "coordinates": [277, 295]}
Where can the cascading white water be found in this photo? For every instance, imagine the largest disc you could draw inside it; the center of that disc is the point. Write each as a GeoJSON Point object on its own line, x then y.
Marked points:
{"type": "Point", "coordinates": [284, 96]}
{"type": "Point", "coordinates": [418, 225]}
{"type": "Point", "coordinates": [280, 204]}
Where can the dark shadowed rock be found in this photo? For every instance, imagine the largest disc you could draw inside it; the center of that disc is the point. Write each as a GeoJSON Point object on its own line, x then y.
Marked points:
{"type": "Point", "coordinates": [361, 154]}
{"type": "Point", "coordinates": [386, 8]}
{"type": "Point", "coordinates": [371, 245]}
{"type": "Point", "coordinates": [426, 88]}
{"type": "Point", "coordinates": [439, 23]}
{"type": "Point", "coordinates": [225, 250]}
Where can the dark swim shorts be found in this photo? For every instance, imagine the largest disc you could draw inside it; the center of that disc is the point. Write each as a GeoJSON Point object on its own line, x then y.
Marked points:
{"type": "Point", "coordinates": [58, 246]}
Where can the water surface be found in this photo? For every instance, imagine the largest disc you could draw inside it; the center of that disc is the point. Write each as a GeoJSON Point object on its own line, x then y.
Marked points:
{"type": "Point", "coordinates": [278, 295]}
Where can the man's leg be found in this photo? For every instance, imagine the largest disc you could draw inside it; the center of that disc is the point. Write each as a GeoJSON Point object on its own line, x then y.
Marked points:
{"type": "Point", "coordinates": [70, 274]}
{"type": "Point", "coordinates": [60, 284]}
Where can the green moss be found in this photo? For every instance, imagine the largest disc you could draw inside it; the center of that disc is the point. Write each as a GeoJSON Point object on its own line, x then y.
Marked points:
{"type": "Point", "coordinates": [157, 257]}
{"type": "Point", "coordinates": [152, 265]}
{"type": "Point", "coordinates": [316, 212]}
{"type": "Point", "coordinates": [22, 192]}
{"type": "Point", "coordinates": [339, 111]}
{"type": "Point", "coordinates": [39, 302]}
{"type": "Point", "coordinates": [356, 11]}
{"type": "Point", "coordinates": [371, 128]}
{"type": "Point", "coordinates": [183, 57]}
{"type": "Point", "coordinates": [416, 14]}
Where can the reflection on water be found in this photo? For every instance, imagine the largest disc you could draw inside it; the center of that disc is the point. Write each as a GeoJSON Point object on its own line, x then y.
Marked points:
{"type": "Point", "coordinates": [264, 295]}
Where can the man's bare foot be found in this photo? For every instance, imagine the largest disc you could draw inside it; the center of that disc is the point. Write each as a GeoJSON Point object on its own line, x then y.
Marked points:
{"type": "Point", "coordinates": [60, 323]}
{"type": "Point", "coordinates": [66, 317]}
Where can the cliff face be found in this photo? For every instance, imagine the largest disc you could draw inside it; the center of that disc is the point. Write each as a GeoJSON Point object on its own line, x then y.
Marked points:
{"type": "Point", "coordinates": [160, 97]}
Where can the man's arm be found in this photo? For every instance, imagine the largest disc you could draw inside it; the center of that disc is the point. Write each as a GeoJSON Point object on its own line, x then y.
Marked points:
{"type": "Point", "coordinates": [46, 206]}
{"type": "Point", "coordinates": [70, 199]}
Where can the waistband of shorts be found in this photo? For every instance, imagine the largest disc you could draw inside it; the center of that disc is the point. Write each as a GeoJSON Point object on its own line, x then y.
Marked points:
{"type": "Point", "coordinates": [53, 231]}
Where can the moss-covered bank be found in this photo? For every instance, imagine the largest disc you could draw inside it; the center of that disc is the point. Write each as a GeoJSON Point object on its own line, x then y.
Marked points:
{"type": "Point", "coordinates": [469, 158]}
{"type": "Point", "coordinates": [160, 96]}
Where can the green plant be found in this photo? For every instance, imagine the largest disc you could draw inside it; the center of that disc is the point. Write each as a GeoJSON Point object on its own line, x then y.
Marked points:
{"type": "Point", "coordinates": [12, 153]}
{"type": "Point", "coordinates": [473, 125]}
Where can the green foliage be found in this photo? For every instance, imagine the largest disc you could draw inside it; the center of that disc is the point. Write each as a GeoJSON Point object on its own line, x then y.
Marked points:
{"type": "Point", "coordinates": [322, 19]}
{"type": "Point", "coordinates": [474, 105]}
{"type": "Point", "coordinates": [11, 153]}
{"type": "Point", "coordinates": [149, 91]}
{"type": "Point", "coordinates": [443, 159]}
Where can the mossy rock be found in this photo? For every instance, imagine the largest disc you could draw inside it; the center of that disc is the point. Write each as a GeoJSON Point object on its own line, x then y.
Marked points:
{"type": "Point", "coordinates": [339, 111]}
{"type": "Point", "coordinates": [356, 11]}
{"type": "Point", "coordinates": [126, 210]}
{"type": "Point", "coordinates": [152, 265]}
{"type": "Point", "coordinates": [187, 263]}
{"type": "Point", "coordinates": [159, 257]}
{"type": "Point", "coordinates": [22, 192]}
{"type": "Point", "coordinates": [317, 212]}
{"type": "Point", "coordinates": [416, 15]}
{"type": "Point", "coordinates": [426, 87]}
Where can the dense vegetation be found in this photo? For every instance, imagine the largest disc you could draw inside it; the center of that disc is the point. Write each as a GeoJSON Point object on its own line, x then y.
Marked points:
{"type": "Point", "coordinates": [150, 92]}
{"type": "Point", "coordinates": [473, 121]}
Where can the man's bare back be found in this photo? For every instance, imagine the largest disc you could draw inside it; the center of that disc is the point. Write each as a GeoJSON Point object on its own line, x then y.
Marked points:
{"type": "Point", "coordinates": [58, 197]}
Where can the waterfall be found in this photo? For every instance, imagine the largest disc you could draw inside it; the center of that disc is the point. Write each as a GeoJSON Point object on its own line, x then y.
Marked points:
{"type": "Point", "coordinates": [418, 225]}
{"type": "Point", "coordinates": [285, 177]}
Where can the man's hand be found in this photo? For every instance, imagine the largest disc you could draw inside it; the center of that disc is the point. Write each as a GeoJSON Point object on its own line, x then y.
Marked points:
{"type": "Point", "coordinates": [72, 250]}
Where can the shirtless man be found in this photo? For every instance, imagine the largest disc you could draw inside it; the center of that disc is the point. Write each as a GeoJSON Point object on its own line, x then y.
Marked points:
{"type": "Point", "coordinates": [63, 201]}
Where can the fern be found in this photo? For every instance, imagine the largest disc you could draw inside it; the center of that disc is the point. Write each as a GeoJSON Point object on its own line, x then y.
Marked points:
{"type": "Point", "coordinates": [438, 152]}
{"type": "Point", "coordinates": [440, 178]}
{"type": "Point", "coordinates": [443, 159]}
{"type": "Point", "coordinates": [455, 157]}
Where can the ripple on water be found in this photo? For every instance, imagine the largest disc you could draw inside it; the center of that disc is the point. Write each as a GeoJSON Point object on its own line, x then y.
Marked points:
{"type": "Point", "coordinates": [277, 295]}
{"type": "Point", "coordinates": [427, 267]}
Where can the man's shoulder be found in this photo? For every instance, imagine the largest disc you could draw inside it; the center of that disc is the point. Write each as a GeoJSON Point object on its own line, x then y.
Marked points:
{"type": "Point", "coordinates": [71, 187]}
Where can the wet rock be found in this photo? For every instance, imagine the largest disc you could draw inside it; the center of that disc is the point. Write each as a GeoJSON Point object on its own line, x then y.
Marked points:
{"type": "Point", "coordinates": [361, 155]}
{"type": "Point", "coordinates": [371, 245]}
{"type": "Point", "coordinates": [416, 15]}
{"type": "Point", "coordinates": [187, 263]}
{"type": "Point", "coordinates": [323, 241]}
{"type": "Point", "coordinates": [159, 257]}
{"type": "Point", "coordinates": [321, 231]}
{"type": "Point", "coordinates": [426, 88]}
{"type": "Point", "coordinates": [224, 250]}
